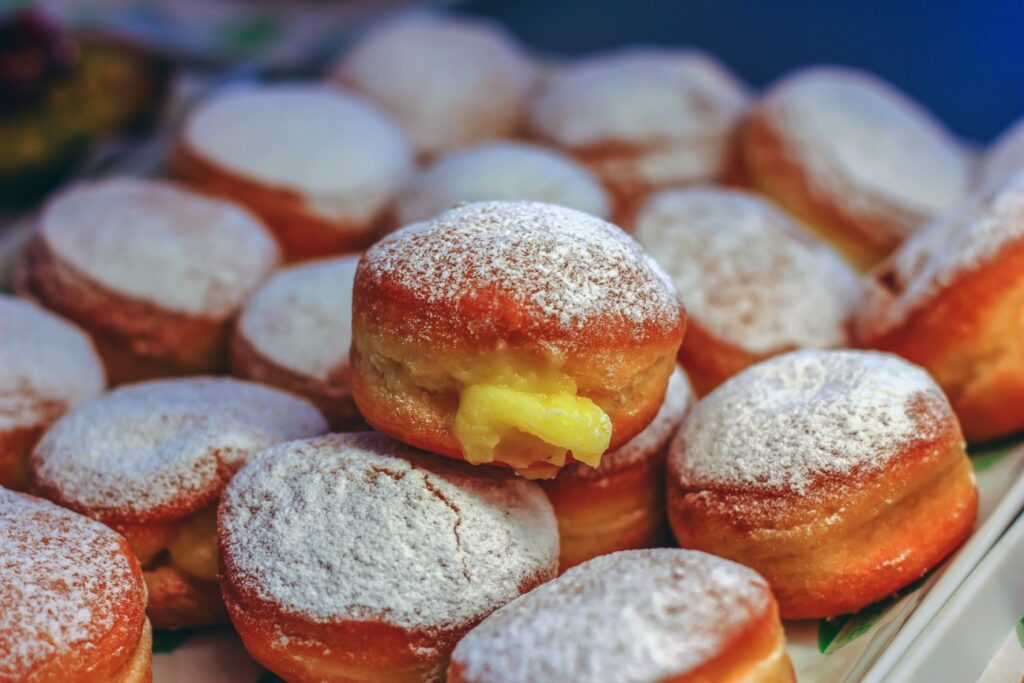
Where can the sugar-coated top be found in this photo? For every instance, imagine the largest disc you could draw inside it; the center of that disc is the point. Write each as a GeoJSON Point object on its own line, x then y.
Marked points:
{"type": "Point", "coordinates": [960, 242]}
{"type": "Point", "coordinates": [65, 583]}
{"type": "Point", "coordinates": [447, 81]}
{"type": "Point", "coordinates": [161, 243]}
{"type": "Point", "coordinates": [796, 419]}
{"type": "Point", "coordinates": [158, 451]}
{"type": "Point", "coordinates": [867, 142]}
{"type": "Point", "coordinates": [501, 170]}
{"type": "Point", "coordinates": [358, 526]}
{"type": "Point", "coordinates": [301, 319]}
{"type": "Point", "coordinates": [544, 269]}
{"type": "Point", "coordinates": [47, 365]}
{"type": "Point", "coordinates": [1004, 158]}
{"type": "Point", "coordinates": [746, 272]}
{"type": "Point", "coordinates": [639, 96]}
{"type": "Point", "coordinates": [345, 157]}
{"type": "Point", "coordinates": [633, 617]}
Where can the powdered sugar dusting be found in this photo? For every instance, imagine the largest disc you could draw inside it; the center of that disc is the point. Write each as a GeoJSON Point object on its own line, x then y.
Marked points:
{"type": "Point", "coordinates": [165, 443]}
{"type": "Point", "coordinates": [960, 242]}
{"type": "Point", "coordinates": [63, 580]}
{"type": "Point", "coordinates": [448, 81]}
{"type": "Point", "coordinates": [343, 155]}
{"type": "Point", "coordinates": [633, 617]}
{"type": "Point", "coordinates": [357, 526]}
{"type": "Point", "coordinates": [301, 318]}
{"type": "Point", "coordinates": [566, 267]}
{"type": "Point", "coordinates": [47, 365]}
{"type": "Point", "coordinates": [501, 170]}
{"type": "Point", "coordinates": [867, 142]}
{"type": "Point", "coordinates": [1004, 158]}
{"type": "Point", "coordinates": [746, 272]}
{"type": "Point", "coordinates": [159, 242]}
{"type": "Point", "coordinates": [786, 422]}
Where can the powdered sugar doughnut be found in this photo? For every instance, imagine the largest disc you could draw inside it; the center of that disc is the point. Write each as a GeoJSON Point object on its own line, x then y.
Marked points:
{"type": "Point", "coordinates": [855, 158]}
{"type": "Point", "coordinates": [318, 164]}
{"type": "Point", "coordinates": [949, 299]}
{"type": "Point", "coordinates": [620, 504]}
{"type": "Point", "coordinates": [840, 476]}
{"type": "Point", "coordinates": [47, 365]}
{"type": "Point", "coordinates": [448, 82]}
{"type": "Point", "coordinates": [755, 284]}
{"type": "Point", "coordinates": [643, 119]}
{"type": "Point", "coordinates": [514, 333]}
{"type": "Point", "coordinates": [295, 334]}
{"type": "Point", "coordinates": [151, 460]}
{"type": "Point", "coordinates": [500, 170]}
{"type": "Point", "coordinates": [1004, 158]}
{"type": "Point", "coordinates": [638, 616]}
{"type": "Point", "coordinates": [352, 557]}
{"type": "Point", "coordinates": [73, 598]}
{"type": "Point", "coordinates": [154, 272]}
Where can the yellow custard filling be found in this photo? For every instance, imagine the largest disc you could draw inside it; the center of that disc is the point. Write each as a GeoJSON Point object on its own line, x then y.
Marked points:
{"type": "Point", "coordinates": [194, 549]}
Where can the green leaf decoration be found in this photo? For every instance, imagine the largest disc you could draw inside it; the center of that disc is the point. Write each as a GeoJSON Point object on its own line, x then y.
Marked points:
{"type": "Point", "coordinates": [836, 632]}
{"type": "Point", "coordinates": [249, 35]}
{"type": "Point", "coordinates": [169, 641]}
{"type": "Point", "coordinates": [1019, 630]}
{"type": "Point", "coordinates": [985, 459]}
{"type": "Point", "coordinates": [269, 678]}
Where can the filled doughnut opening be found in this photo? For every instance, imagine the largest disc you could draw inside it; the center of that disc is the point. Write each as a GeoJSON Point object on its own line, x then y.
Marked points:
{"type": "Point", "coordinates": [190, 545]}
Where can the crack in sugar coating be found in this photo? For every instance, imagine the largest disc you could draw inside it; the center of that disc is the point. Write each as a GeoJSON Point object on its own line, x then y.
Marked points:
{"type": "Point", "coordinates": [644, 615]}
{"type": "Point", "coordinates": [359, 527]}
{"type": "Point", "coordinates": [788, 422]}
{"type": "Point", "coordinates": [530, 265]}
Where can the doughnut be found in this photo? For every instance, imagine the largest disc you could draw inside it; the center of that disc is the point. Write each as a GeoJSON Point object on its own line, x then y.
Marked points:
{"type": "Point", "coordinates": [72, 599]}
{"type": "Point", "coordinates": [500, 170]}
{"type": "Point", "coordinates": [1004, 158]}
{"type": "Point", "coordinates": [635, 615]}
{"type": "Point", "coordinates": [516, 333]}
{"type": "Point", "coordinates": [150, 460]}
{"type": "Point", "coordinates": [448, 82]}
{"type": "Point", "coordinates": [643, 119]}
{"type": "Point", "coordinates": [857, 160]}
{"type": "Point", "coordinates": [619, 505]}
{"type": "Point", "coordinates": [295, 334]}
{"type": "Point", "coordinates": [153, 272]}
{"type": "Point", "coordinates": [351, 557]}
{"type": "Point", "coordinates": [318, 164]}
{"type": "Point", "coordinates": [47, 365]}
{"type": "Point", "coordinates": [755, 283]}
{"type": "Point", "coordinates": [839, 476]}
{"type": "Point", "coordinates": [950, 300]}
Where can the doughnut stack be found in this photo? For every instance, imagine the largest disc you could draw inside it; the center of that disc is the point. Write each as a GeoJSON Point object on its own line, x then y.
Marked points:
{"type": "Point", "coordinates": [459, 366]}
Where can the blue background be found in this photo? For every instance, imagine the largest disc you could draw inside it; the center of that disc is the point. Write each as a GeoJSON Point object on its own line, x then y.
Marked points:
{"type": "Point", "coordinates": [963, 60]}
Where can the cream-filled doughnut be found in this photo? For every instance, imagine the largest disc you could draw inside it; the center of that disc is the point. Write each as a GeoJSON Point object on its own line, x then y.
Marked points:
{"type": "Point", "coordinates": [448, 82]}
{"type": "Point", "coordinates": [47, 365]}
{"type": "Point", "coordinates": [755, 284]}
{"type": "Point", "coordinates": [153, 271]}
{"type": "Point", "coordinates": [318, 164]}
{"type": "Point", "coordinates": [295, 334]}
{"type": "Point", "coordinates": [515, 333]}
{"type": "Point", "coordinates": [1004, 158]}
{"type": "Point", "coordinates": [950, 299]}
{"type": "Point", "coordinates": [72, 598]}
{"type": "Point", "coordinates": [620, 504]}
{"type": "Point", "coordinates": [840, 476]}
{"type": "Point", "coordinates": [500, 170]}
{"type": "Point", "coordinates": [643, 119]}
{"type": "Point", "coordinates": [151, 459]}
{"type": "Point", "coordinates": [642, 616]}
{"type": "Point", "coordinates": [853, 157]}
{"type": "Point", "coordinates": [352, 557]}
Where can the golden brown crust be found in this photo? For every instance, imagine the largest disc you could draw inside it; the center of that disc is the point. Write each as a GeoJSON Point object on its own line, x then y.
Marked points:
{"type": "Point", "coordinates": [178, 600]}
{"type": "Point", "coordinates": [709, 361]}
{"type": "Point", "coordinates": [848, 540]}
{"type": "Point", "coordinates": [967, 336]}
{"type": "Point", "coordinates": [15, 447]}
{"type": "Point", "coordinates": [137, 339]}
{"type": "Point", "coordinates": [139, 668]}
{"type": "Point", "coordinates": [301, 233]}
{"type": "Point", "coordinates": [333, 397]}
